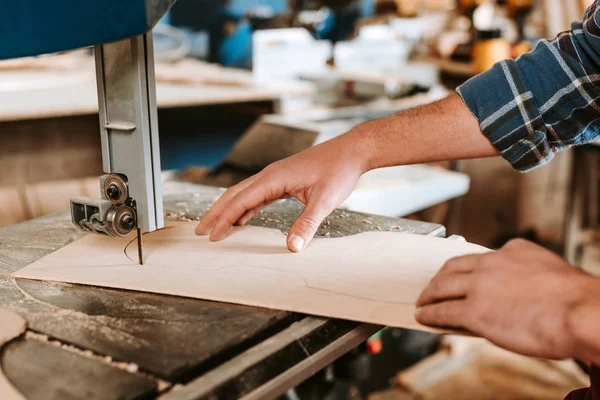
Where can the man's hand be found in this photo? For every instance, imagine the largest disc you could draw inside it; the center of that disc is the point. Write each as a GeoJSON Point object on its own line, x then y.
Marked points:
{"type": "Point", "coordinates": [522, 297]}
{"type": "Point", "coordinates": [321, 178]}
{"type": "Point", "coordinates": [324, 176]}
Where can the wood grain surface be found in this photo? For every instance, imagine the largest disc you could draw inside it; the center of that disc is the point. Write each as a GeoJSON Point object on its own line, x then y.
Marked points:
{"type": "Point", "coordinates": [372, 277]}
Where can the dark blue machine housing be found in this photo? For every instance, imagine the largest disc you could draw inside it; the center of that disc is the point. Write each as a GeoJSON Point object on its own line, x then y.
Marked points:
{"type": "Point", "coordinates": [31, 27]}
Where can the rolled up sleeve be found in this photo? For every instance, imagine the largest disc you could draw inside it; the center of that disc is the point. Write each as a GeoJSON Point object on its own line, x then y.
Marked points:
{"type": "Point", "coordinates": [544, 101]}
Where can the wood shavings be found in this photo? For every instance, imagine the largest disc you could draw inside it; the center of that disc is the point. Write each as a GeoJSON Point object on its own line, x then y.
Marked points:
{"type": "Point", "coordinates": [132, 368]}
{"type": "Point", "coordinates": [180, 217]}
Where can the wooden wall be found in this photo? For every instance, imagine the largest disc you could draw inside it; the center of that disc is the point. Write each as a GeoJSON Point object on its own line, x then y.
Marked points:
{"type": "Point", "coordinates": [45, 162]}
{"type": "Point", "coordinates": [503, 203]}
{"type": "Point", "coordinates": [49, 149]}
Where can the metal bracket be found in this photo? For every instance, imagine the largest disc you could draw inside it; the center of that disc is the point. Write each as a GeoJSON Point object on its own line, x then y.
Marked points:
{"type": "Point", "coordinates": [129, 123]}
{"type": "Point", "coordinates": [129, 140]}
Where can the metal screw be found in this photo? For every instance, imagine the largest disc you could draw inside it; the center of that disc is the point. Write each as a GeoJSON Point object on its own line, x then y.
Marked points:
{"type": "Point", "coordinates": [128, 222]}
{"type": "Point", "coordinates": [113, 192]}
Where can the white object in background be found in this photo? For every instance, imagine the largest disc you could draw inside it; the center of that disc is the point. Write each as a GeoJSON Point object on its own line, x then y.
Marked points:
{"type": "Point", "coordinates": [486, 17]}
{"type": "Point", "coordinates": [376, 47]}
{"type": "Point", "coordinates": [426, 25]}
{"type": "Point", "coordinates": [287, 53]}
{"type": "Point", "coordinates": [401, 191]}
{"type": "Point", "coordinates": [558, 16]}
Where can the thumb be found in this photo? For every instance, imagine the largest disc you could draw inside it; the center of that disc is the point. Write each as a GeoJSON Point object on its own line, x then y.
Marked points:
{"type": "Point", "coordinates": [306, 225]}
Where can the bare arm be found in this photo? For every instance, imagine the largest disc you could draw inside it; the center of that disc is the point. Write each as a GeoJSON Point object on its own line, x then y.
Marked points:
{"type": "Point", "coordinates": [584, 324]}
{"type": "Point", "coordinates": [440, 131]}
{"type": "Point", "coordinates": [324, 176]}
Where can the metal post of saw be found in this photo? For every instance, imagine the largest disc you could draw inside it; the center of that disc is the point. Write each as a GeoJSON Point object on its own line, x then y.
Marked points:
{"type": "Point", "coordinates": [129, 138]}
{"type": "Point", "coordinates": [129, 123]}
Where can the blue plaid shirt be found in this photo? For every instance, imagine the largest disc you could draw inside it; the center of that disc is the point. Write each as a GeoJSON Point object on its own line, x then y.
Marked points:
{"type": "Point", "coordinates": [545, 100]}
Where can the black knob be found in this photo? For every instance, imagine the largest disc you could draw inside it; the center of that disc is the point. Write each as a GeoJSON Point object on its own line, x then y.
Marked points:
{"type": "Point", "coordinates": [113, 192]}
{"type": "Point", "coordinates": [128, 222]}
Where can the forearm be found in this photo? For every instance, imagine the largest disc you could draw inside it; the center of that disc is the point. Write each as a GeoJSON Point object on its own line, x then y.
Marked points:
{"type": "Point", "coordinates": [443, 130]}
{"type": "Point", "coordinates": [583, 323]}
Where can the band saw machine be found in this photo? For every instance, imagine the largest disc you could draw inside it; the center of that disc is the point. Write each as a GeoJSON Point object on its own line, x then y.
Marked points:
{"type": "Point", "coordinates": [172, 340]}
{"type": "Point", "coordinates": [120, 31]}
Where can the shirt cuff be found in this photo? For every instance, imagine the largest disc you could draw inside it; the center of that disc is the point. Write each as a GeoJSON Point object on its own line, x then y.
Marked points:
{"type": "Point", "coordinates": [508, 115]}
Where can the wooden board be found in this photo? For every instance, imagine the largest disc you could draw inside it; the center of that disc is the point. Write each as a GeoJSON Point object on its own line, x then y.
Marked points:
{"type": "Point", "coordinates": [373, 277]}
{"type": "Point", "coordinates": [34, 94]}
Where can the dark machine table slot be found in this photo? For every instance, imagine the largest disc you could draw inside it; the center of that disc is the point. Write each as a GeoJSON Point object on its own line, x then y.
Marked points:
{"type": "Point", "coordinates": [41, 371]}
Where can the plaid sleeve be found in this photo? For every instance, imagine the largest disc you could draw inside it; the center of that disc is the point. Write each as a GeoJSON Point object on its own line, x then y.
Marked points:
{"type": "Point", "coordinates": [544, 101]}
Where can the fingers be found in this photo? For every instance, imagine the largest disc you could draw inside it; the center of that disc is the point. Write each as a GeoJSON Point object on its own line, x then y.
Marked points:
{"type": "Point", "coordinates": [210, 218]}
{"type": "Point", "coordinates": [251, 213]}
{"type": "Point", "coordinates": [446, 287]}
{"type": "Point", "coordinates": [464, 264]}
{"type": "Point", "coordinates": [443, 303]}
{"type": "Point", "coordinates": [251, 197]}
{"type": "Point", "coordinates": [306, 225]}
{"type": "Point", "coordinates": [449, 314]}
{"type": "Point", "coordinates": [247, 216]}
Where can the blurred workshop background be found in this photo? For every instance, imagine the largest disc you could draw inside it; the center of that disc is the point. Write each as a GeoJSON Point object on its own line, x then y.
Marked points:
{"type": "Point", "coordinates": [243, 83]}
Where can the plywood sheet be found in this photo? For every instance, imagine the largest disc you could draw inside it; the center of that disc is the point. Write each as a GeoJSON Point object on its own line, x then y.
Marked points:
{"type": "Point", "coordinates": [373, 277]}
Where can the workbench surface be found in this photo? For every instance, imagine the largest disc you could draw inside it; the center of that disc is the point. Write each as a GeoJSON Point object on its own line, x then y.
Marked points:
{"type": "Point", "coordinates": [95, 343]}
